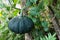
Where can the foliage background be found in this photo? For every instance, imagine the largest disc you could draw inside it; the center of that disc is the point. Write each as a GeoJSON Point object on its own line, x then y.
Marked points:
{"type": "Point", "coordinates": [38, 12]}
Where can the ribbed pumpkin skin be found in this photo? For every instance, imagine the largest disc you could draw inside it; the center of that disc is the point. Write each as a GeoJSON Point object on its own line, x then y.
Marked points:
{"type": "Point", "coordinates": [21, 25]}
{"type": "Point", "coordinates": [25, 25]}
{"type": "Point", "coordinates": [13, 24]}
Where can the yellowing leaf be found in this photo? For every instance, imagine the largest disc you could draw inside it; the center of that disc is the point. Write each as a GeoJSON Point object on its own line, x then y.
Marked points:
{"type": "Point", "coordinates": [0, 14]}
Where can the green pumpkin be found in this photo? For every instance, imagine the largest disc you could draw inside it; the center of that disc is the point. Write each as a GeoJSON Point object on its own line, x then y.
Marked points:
{"type": "Point", "coordinates": [21, 25]}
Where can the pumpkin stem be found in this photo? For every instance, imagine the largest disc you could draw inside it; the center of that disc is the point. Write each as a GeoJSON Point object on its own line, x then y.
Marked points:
{"type": "Point", "coordinates": [21, 14]}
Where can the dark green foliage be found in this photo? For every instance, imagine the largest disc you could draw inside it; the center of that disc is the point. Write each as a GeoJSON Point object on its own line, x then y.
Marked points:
{"type": "Point", "coordinates": [28, 3]}
{"type": "Point", "coordinates": [45, 25]}
{"type": "Point", "coordinates": [34, 11]}
{"type": "Point", "coordinates": [21, 25]}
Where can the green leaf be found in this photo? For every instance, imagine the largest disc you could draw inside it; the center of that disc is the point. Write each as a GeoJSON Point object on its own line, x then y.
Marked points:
{"type": "Point", "coordinates": [37, 38]}
{"type": "Point", "coordinates": [46, 2]}
{"type": "Point", "coordinates": [28, 3]}
{"type": "Point", "coordinates": [50, 2]}
{"type": "Point", "coordinates": [15, 1]}
{"type": "Point", "coordinates": [41, 5]}
{"type": "Point", "coordinates": [1, 4]}
{"type": "Point", "coordinates": [15, 12]}
{"type": "Point", "coordinates": [34, 20]}
{"type": "Point", "coordinates": [8, 8]}
{"type": "Point", "coordinates": [49, 37]}
{"type": "Point", "coordinates": [44, 23]}
{"type": "Point", "coordinates": [46, 29]}
{"type": "Point", "coordinates": [33, 1]}
{"type": "Point", "coordinates": [34, 11]}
